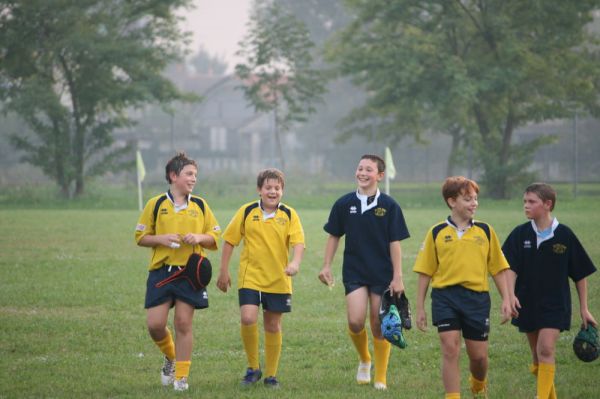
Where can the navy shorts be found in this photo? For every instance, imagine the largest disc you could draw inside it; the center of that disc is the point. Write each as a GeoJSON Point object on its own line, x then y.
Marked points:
{"type": "Point", "coordinates": [458, 308]}
{"type": "Point", "coordinates": [279, 303]}
{"type": "Point", "coordinates": [179, 289]}
{"type": "Point", "coordinates": [373, 289]}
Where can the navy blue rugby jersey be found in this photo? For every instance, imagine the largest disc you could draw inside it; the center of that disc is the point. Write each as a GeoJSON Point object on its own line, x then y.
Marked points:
{"type": "Point", "coordinates": [543, 273]}
{"type": "Point", "coordinates": [368, 235]}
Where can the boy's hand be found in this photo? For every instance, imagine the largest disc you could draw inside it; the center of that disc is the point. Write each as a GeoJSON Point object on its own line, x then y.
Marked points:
{"type": "Point", "coordinates": [292, 269]}
{"type": "Point", "coordinates": [326, 276]}
{"type": "Point", "coordinates": [396, 286]}
{"type": "Point", "coordinates": [506, 311]}
{"type": "Point", "coordinates": [191, 239]}
{"type": "Point", "coordinates": [224, 281]}
{"type": "Point", "coordinates": [168, 240]}
{"type": "Point", "coordinates": [515, 305]}
{"type": "Point", "coordinates": [421, 319]}
{"type": "Point", "coordinates": [587, 317]}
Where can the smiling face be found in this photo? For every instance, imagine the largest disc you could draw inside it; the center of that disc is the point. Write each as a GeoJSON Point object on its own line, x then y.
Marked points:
{"type": "Point", "coordinates": [368, 176]}
{"type": "Point", "coordinates": [464, 205]}
{"type": "Point", "coordinates": [184, 182]}
{"type": "Point", "coordinates": [270, 193]}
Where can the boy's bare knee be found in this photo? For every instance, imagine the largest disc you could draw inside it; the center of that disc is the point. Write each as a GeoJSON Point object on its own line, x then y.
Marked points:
{"type": "Point", "coordinates": [356, 326]}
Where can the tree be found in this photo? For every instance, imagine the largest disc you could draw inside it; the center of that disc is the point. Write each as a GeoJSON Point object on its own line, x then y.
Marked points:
{"type": "Point", "coordinates": [478, 68]}
{"type": "Point", "coordinates": [70, 69]}
{"type": "Point", "coordinates": [278, 75]}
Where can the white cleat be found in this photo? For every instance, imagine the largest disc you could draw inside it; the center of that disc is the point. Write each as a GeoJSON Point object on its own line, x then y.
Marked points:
{"type": "Point", "coordinates": [363, 374]}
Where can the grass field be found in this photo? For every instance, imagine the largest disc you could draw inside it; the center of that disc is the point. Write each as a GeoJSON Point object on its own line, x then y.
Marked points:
{"type": "Point", "coordinates": [72, 322]}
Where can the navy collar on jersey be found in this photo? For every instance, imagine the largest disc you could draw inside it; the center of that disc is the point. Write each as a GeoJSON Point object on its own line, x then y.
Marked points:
{"type": "Point", "coordinates": [542, 236]}
{"type": "Point", "coordinates": [365, 205]}
{"type": "Point", "coordinates": [265, 214]}
{"type": "Point", "coordinates": [178, 207]}
{"type": "Point", "coordinates": [460, 232]}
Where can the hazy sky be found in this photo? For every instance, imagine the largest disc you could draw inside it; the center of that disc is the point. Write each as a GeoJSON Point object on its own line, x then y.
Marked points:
{"type": "Point", "coordinates": [218, 25]}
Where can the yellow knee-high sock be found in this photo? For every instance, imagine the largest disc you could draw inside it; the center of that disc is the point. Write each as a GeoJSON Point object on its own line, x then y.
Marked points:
{"type": "Point", "coordinates": [272, 352]}
{"type": "Point", "coordinates": [452, 395]}
{"type": "Point", "coordinates": [167, 346]}
{"type": "Point", "coordinates": [361, 343]}
{"type": "Point", "coordinates": [250, 341]}
{"type": "Point", "coordinates": [545, 380]}
{"type": "Point", "coordinates": [182, 369]}
{"type": "Point", "coordinates": [382, 350]}
{"type": "Point", "coordinates": [533, 368]}
{"type": "Point", "coordinates": [477, 386]}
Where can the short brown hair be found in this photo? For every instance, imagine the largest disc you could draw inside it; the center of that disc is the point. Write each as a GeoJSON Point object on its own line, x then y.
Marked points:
{"type": "Point", "coordinates": [177, 163]}
{"type": "Point", "coordinates": [270, 173]}
{"type": "Point", "coordinates": [544, 191]}
{"type": "Point", "coordinates": [457, 185]}
{"type": "Point", "coordinates": [377, 159]}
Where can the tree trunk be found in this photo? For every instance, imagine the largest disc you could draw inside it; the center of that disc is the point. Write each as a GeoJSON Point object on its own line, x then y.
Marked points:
{"type": "Point", "coordinates": [278, 139]}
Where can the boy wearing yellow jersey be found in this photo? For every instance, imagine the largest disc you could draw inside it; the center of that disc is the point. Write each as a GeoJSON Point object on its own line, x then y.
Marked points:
{"type": "Point", "coordinates": [175, 224]}
{"type": "Point", "coordinates": [268, 229]}
{"type": "Point", "coordinates": [456, 257]}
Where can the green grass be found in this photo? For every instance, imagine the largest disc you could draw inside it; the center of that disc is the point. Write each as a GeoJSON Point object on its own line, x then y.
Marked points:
{"type": "Point", "coordinates": [72, 322]}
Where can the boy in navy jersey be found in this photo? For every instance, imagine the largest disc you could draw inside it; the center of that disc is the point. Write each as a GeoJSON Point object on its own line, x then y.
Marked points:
{"type": "Point", "coordinates": [374, 226]}
{"type": "Point", "coordinates": [543, 255]}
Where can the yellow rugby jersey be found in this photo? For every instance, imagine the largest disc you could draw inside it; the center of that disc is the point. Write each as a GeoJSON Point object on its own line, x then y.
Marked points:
{"type": "Point", "coordinates": [159, 217]}
{"type": "Point", "coordinates": [465, 261]}
{"type": "Point", "coordinates": [267, 242]}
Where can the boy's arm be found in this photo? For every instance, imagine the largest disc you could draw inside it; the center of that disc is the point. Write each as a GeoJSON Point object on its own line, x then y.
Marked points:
{"type": "Point", "coordinates": [326, 276]}
{"type": "Point", "coordinates": [397, 283]}
{"type": "Point", "coordinates": [500, 279]}
{"type": "Point", "coordinates": [586, 316]}
{"type": "Point", "coordinates": [515, 305]}
{"type": "Point", "coordinates": [224, 279]}
{"type": "Point", "coordinates": [422, 288]}
{"type": "Point", "coordinates": [294, 266]}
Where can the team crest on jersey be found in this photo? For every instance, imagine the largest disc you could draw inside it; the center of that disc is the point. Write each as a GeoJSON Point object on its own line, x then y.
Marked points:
{"type": "Point", "coordinates": [193, 213]}
{"type": "Point", "coordinates": [380, 212]}
{"type": "Point", "coordinates": [352, 209]}
{"type": "Point", "coordinates": [280, 221]}
{"type": "Point", "coordinates": [479, 241]}
{"type": "Point", "coordinates": [559, 249]}
{"type": "Point", "coordinates": [527, 244]}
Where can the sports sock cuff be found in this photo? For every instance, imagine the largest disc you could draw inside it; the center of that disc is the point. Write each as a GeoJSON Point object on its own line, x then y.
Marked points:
{"type": "Point", "coordinates": [167, 346]}
{"type": "Point", "coordinates": [361, 343]}
{"type": "Point", "coordinates": [533, 369]}
{"type": "Point", "coordinates": [477, 385]}
{"type": "Point", "coordinates": [546, 367]}
{"type": "Point", "coordinates": [273, 338]}
{"type": "Point", "coordinates": [182, 369]}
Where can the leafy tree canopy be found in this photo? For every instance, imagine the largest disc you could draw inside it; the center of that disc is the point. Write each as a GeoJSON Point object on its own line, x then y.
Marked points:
{"type": "Point", "coordinates": [481, 67]}
{"type": "Point", "coordinates": [70, 68]}
{"type": "Point", "coordinates": [278, 73]}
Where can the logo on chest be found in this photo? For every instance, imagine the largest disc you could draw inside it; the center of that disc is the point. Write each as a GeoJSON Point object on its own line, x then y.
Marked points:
{"type": "Point", "coordinates": [559, 249]}
{"type": "Point", "coordinates": [352, 209]}
{"type": "Point", "coordinates": [527, 244]}
{"type": "Point", "coordinates": [380, 212]}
